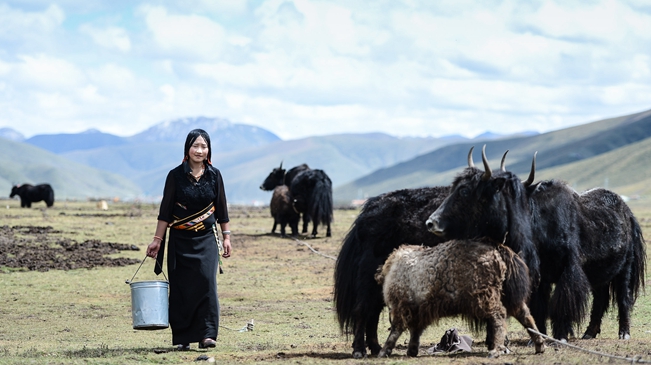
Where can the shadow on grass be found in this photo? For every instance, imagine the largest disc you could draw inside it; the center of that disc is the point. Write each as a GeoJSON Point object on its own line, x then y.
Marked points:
{"type": "Point", "coordinates": [104, 352]}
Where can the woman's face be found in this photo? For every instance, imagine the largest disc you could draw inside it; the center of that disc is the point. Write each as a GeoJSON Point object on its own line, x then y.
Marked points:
{"type": "Point", "coordinates": [199, 150]}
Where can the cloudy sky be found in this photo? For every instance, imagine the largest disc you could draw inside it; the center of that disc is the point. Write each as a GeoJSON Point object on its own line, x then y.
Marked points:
{"type": "Point", "coordinates": [308, 67]}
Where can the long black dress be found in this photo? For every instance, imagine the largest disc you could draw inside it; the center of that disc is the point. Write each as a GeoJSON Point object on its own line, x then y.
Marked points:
{"type": "Point", "coordinates": [193, 255]}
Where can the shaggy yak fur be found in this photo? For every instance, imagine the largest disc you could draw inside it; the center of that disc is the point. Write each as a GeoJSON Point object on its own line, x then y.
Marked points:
{"type": "Point", "coordinates": [282, 210]}
{"type": "Point", "coordinates": [481, 281]}
{"type": "Point", "coordinates": [31, 194]}
{"type": "Point", "coordinates": [384, 222]}
{"type": "Point", "coordinates": [573, 242]}
{"type": "Point", "coordinates": [279, 176]}
{"type": "Point", "coordinates": [312, 193]}
{"type": "Point", "coordinates": [600, 229]}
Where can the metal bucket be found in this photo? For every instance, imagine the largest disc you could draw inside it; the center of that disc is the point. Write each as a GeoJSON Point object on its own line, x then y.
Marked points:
{"type": "Point", "coordinates": [150, 305]}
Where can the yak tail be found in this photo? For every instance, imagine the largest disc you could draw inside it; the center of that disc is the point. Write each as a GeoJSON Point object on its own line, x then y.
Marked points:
{"type": "Point", "coordinates": [321, 207]}
{"type": "Point", "coordinates": [517, 285]}
{"type": "Point", "coordinates": [346, 278]}
{"type": "Point", "coordinates": [638, 267]}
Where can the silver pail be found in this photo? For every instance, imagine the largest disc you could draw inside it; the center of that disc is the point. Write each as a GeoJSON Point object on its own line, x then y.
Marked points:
{"type": "Point", "coordinates": [149, 305]}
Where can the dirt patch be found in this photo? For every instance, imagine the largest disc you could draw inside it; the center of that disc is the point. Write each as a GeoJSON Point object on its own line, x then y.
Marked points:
{"type": "Point", "coordinates": [41, 249]}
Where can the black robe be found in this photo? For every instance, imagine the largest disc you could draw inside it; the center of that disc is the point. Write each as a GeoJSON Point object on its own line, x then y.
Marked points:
{"type": "Point", "coordinates": [193, 256]}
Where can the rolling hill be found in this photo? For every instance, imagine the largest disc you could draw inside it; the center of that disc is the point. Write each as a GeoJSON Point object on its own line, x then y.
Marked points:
{"type": "Point", "coordinates": [22, 163]}
{"type": "Point", "coordinates": [574, 148]}
{"type": "Point", "coordinates": [609, 153]}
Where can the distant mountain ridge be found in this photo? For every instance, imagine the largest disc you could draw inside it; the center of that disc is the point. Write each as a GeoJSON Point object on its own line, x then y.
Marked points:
{"type": "Point", "coordinates": [360, 165]}
{"type": "Point", "coordinates": [11, 134]}
{"type": "Point", "coordinates": [64, 142]}
{"type": "Point", "coordinates": [554, 149]}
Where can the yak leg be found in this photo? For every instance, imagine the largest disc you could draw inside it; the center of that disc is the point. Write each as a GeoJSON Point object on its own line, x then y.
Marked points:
{"type": "Point", "coordinates": [371, 329]}
{"type": "Point", "coordinates": [328, 232]}
{"type": "Point", "coordinates": [523, 316]}
{"type": "Point", "coordinates": [539, 305]}
{"type": "Point", "coordinates": [568, 303]}
{"type": "Point", "coordinates": [599, 307]}
{"type": "Point", "coordinates": [625, 301]}
{"type": "Point", "coordinates": [314, 225]}
{"type": "Point", "coordinates": [415, 331]}
{"type": "Point", "coordinates": [496, 334]}
{"type": "Point", "coordinates": [306, 220]}
{"type": "Point", "coordinates": [390, 343]}
{"type": "Point", "coordinates": [368, 307]}
{"type": "Point", "coordinates": [283, 224]}
{"type": "Point", "coordinates": [273, 229]}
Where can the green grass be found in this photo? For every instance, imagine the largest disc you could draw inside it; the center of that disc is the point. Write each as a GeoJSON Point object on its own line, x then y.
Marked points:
{"type": "Point", "coordinates": [84, 316]}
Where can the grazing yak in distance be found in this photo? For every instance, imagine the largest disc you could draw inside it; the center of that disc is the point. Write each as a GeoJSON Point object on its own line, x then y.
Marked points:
{"type": "Point", "coordinates": [31, 194]}
{"type": "Point", "coordinates": [483, 281]}
{"type": "Point", "coordinates": [279, 176]}
{"type": "Point", "coordinates": [312, 194]}
{"type": "Point", "coordinates": [384, 222]}
{"type": "Point", "coordinates": [583, 242]}
{"type": "Point", "coordinates": [283, 211]}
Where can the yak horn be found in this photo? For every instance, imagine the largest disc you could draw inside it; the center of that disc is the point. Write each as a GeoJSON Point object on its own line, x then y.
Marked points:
{"type": "Point", "coordinates": [487, 169]}
{"type": "Point", "coordinates": [502, 165]}
{"type": "Point", "coordinates": [533, 171]}
{"type": "Point", "coordinates": [470, 162]}
{"type": "Point", "coordinates": [281, 165]}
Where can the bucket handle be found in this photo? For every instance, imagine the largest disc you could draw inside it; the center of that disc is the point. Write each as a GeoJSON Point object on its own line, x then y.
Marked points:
{"type": "Point", "coordinates": [143, 261]}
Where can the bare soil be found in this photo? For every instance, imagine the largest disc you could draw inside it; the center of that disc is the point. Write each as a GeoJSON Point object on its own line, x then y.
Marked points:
{"type": "Point", "coordinates": [42, 249]}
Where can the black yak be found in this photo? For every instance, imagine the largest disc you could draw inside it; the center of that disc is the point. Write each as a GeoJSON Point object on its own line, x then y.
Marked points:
{"type": "Point", "coordinates": [479, 280]}
{"type": "Point", "coordinates": [282, 210]}
{"type": "Point", "coordinates": [31, 194]}
{"type": "Point", "coordinates": [582, 242]}
{"type": "Point", "coordinates": [279, 176]}
{"type": "Point", "coordinates": [312, 194]}
{"type": "Point", "coordinates": [384, 222]}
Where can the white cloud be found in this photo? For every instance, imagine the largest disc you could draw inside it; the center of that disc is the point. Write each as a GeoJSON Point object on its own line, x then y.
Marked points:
{"type": "Point", "coordinates": [48, 72]}
{"type": "Point", "coordinates": [17, 23]}
{"type": "Point", "coordinates": [110, 37]}
{"type": "Point", "coordinates": [304, 67]}
{"type": "Point", "coordinates": [184, 35]}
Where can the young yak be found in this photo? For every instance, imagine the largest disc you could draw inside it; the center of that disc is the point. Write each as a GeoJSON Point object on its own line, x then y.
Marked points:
{"type": "Point", "coordinates": [482, 281]}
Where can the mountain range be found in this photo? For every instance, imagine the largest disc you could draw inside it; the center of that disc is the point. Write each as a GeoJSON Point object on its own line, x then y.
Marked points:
{"type": "Point", "coordinates": [93, 164]}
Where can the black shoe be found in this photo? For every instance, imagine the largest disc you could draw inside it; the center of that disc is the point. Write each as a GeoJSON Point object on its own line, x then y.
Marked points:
{"type": "Point", "coordinates": [207, 342]}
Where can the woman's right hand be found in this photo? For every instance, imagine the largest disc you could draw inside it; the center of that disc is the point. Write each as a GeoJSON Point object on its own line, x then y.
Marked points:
{"type": "Point", "coordinates": [152, 249]}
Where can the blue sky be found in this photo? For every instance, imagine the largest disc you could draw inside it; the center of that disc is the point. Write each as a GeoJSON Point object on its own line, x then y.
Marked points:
{"type": "Point", "coordinates": [304, 67]}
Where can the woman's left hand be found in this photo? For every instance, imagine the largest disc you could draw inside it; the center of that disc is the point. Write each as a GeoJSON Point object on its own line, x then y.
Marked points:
{"type": "Point", "coordinates": [227, 247]}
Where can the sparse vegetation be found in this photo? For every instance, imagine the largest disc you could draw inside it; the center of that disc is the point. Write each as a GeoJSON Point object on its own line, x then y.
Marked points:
{"type": "Point", "coordinates": [83, 316]}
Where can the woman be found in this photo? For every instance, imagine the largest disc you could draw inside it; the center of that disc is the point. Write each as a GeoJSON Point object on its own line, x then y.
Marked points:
{"type": "Point", "coordinates": [193, 203]}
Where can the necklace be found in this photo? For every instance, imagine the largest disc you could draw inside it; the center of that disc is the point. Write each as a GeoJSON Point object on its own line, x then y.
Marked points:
{"type": "Point", "coordinates": [197, 176]}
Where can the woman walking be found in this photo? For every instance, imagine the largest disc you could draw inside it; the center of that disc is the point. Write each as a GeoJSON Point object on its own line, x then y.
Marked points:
{"type": "Point", "coordinates": [194, 203]}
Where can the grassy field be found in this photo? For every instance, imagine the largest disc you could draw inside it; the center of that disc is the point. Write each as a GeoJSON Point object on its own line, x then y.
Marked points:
{"type": "Point", "coordinates": [83, 316]}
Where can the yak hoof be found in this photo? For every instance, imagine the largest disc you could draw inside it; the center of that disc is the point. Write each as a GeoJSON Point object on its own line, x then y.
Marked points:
{"type": "Point", "coordinates": [540, 348]}
{"type": "Point", "coordinates": [624, 336]}
{"type": "Point", "coordinates": [359, 354]}
{"type": "Point", "coordinates": [493, 354]}
{"type": "Point", "coordinates": [384, 353]}
{"type": "Point", "coordinates": [587, 336]}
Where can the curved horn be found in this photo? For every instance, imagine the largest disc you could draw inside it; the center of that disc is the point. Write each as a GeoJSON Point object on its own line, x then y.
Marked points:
{"type": "Point", "coordinates": [502, 165]}
{"type": "Point", "coordinates": [533, 171]}
{"type": "Point", "coordinates": [281, 165]}
{"type": "Point", "coordinates": [487, 169]}
{"type": "Point", "coordinates": [470, 162]}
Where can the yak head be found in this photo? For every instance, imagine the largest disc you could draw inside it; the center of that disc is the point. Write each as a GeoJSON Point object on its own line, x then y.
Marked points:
{"type": "Point", "coordinates": [15, 191]}
{"type": "Point", "coordinates": [488, 204]}
{"type": "Point", "coordinates": [480, 204]}
{"type": "Point", "coordinates": [275, 178]}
